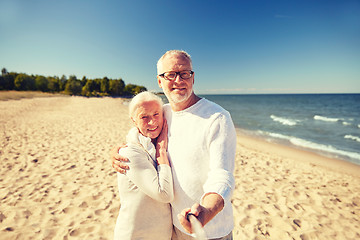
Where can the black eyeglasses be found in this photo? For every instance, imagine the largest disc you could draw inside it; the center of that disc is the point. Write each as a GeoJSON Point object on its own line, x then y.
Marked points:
{"type": "Point", "coordinates": [171, 76]}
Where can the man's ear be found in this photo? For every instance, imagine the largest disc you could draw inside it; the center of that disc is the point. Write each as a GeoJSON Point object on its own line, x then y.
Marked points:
{"type": "Point", "coordinates": [159, 81]}
{"type": "Point", "coordinates": [193, 76]}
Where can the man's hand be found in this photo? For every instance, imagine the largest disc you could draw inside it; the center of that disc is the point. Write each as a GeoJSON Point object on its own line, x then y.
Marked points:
{"type": "Point", "coordinates": [196, 209]}
{"type": "Point", "coordinates": [117, 161]}
{"type": "Point", "coordinates": [212, 204]}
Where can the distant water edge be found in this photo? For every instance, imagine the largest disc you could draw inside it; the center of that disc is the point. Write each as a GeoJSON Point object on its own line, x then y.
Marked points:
{"type": "Point", "coordinates": [328, 124]}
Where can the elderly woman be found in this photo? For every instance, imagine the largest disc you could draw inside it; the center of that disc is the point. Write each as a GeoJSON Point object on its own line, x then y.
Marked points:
{"type": "Point", "coordinates": [146, 190]}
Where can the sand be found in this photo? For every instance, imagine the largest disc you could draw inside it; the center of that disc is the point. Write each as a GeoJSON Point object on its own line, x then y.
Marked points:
{"type": "Point", "coordinates": [56, 181]}
{"type": "Point", "coordinates": [16, 95]}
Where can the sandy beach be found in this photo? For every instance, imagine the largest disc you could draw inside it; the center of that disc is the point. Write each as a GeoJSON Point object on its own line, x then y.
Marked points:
{"type": "Point", "coordinates": [56, 181]}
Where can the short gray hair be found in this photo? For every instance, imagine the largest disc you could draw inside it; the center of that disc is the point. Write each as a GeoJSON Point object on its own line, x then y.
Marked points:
{"type": "Point", "coordinates": [181, 53]}
{"type": "Point", "coordinates": [141, 98]}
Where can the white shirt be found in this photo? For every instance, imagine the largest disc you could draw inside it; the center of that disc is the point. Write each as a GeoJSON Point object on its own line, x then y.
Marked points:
{"type": "Point", "coordinates": [202, 146]}
{"type": "Point", "coordinates": [144, 193]}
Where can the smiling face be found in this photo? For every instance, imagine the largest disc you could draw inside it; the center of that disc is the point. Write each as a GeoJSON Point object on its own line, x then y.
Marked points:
{"type": "Point", "coordinates": [179, 91]}
{"type": "Point", "coordinates": [148, 118]}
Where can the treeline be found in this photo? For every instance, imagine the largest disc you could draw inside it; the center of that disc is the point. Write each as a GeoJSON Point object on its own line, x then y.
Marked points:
{"type": "Point", "coordinates": [72, 85]}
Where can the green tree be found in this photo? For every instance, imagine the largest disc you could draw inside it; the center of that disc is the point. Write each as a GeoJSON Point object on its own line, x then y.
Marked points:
{"type": "Point", "coordinates": [8, 80]}
{"type": "Point", "coordinates": [72, 78]}
{"type": "Point", "coordinates": [139, 89]}
{"type": "Point", "coordinates": [24, 82]}
{"type": "Point", "coordinates": [96, 84]}
{"type": "Point", "coordinates": [4, 80]}
{"type": "Point", "coordinates": [88, 88]}
{"type": "Point", "coordinates": [4, 71]}
{"type": "Point", "coordinates": [62, 83]}
{"type": "Point", "coordinates": [132, 89]}
{"type": "Point", "coordinates": [104, 85]}
{"type": "Point", "coordinates": [73, 86]}
{"type": "Point", "coordinates": [83, 81]}
{"type": "Point", "coordinates": [53, 84]}
{"type": "Point", "coordinates": [116, 87]}
{"type": "Point", "coordinates": [41, 83]}
{"type": "Point", "coordinates": [2, 83]}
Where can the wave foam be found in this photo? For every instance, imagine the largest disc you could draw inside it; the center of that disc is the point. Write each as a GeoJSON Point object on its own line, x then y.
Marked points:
{"type": "Point", "coordinates": [284, 121]}
{"type": "Point", "coordinates": [315, 146]}
{"type": "Point", "coordinates": [326, 119]}
{"type": "Point", "coordinates": [355, 138]}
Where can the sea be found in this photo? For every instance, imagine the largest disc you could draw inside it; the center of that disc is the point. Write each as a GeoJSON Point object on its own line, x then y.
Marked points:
{"type": "Point", "coordinates": [328, 124]}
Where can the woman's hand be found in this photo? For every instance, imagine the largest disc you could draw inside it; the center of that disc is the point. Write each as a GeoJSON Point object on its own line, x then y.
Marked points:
{"type": "Point", "coordinates": [162, 145]}
{"type": "Point", "coordinates": [117, 161]}
{"type": "Point", "coordinates": [162, 139]}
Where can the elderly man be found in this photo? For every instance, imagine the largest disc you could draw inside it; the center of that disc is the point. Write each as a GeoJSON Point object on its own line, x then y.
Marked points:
{"type": "Point", "coordinates": [201, 147]}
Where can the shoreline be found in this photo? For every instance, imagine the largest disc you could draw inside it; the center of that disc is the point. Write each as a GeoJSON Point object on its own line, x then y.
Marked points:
{"type": "Point", "coordinates": [295, 153]}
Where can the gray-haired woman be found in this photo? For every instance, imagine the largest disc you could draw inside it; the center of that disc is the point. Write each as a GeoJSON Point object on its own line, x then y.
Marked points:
{"type": "Point", "coordinates": [146, 190]}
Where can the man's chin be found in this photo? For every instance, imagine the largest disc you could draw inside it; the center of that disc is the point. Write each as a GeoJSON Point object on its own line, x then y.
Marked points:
{"type": "Point", "coordinates": [177, 98]}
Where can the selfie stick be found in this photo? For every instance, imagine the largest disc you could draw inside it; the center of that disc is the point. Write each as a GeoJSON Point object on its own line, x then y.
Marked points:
{"type": "Point", "coordinates": [196, 227]}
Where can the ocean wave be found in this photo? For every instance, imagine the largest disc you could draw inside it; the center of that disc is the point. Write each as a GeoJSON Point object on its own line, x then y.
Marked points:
{"type": "Point", "coordinates": [326, 119]}
{"type": "Point", "coordinates": [284, 121]}
{"type": "Point", "coordinates": [314, 146]}
{"type": "Point", "coordinates": [355, 138]}
{"type": "Point", "coordinates": [329, 119]}
{"type": "Point", "coordinates": [276, 135]}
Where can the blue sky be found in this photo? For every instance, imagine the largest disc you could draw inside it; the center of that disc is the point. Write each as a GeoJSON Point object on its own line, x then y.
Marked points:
{"type": "Point", "coordinates": [238, 47]}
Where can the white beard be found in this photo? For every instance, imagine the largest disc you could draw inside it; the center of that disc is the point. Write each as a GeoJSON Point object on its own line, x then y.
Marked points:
{"type": "Point", "coordinates": [177, 98]}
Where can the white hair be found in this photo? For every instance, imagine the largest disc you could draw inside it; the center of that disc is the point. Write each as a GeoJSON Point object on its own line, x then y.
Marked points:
{"type": "Point", "coordinates": [141, 98]}
{"type": "Point", "coordinates": [181, 53]}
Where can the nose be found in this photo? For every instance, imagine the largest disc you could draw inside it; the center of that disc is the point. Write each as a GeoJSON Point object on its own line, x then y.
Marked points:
{"type": "Point", "coordinates": [178, 78]}
{"type": "Point", "coordinates": [151, 121]}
